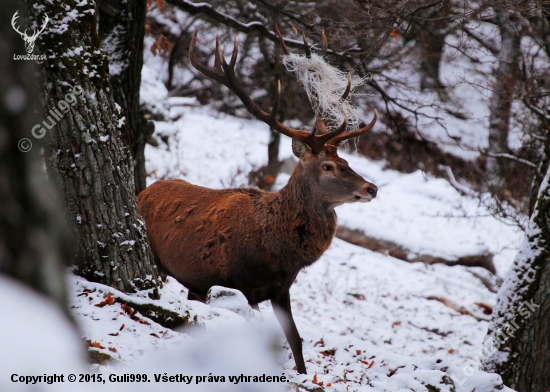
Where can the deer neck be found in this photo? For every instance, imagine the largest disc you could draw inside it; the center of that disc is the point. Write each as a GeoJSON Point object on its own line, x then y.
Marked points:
{"type": "Point", "coordinates": [301, 207]}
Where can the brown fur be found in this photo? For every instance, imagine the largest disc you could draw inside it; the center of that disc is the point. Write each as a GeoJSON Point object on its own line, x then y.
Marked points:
{"type": "Point", "coordinates": [248, 239]}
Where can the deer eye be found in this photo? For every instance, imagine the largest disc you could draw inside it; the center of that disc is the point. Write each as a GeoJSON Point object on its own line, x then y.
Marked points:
{"type": "Point", "coordinates": [327, 167]}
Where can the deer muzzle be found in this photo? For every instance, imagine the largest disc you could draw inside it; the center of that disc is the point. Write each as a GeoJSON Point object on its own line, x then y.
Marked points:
{"type": "Point", "coordinates": [366, 193]}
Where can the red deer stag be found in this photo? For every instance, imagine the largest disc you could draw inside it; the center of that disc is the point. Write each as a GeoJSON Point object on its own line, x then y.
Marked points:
{"type": "Point", "coordinates": [248, 239]}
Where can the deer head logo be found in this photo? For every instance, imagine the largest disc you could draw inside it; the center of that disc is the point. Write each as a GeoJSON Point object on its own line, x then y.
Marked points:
{"type": "Point", "coordinates": [29, 39]}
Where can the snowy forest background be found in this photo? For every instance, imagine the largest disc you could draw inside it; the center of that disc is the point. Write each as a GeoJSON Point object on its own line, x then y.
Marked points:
{"type": "Point", "coordinates": [419, 284]}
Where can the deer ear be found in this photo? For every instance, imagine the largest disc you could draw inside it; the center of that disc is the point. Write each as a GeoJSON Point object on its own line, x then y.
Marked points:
{"type": "Point", "coordinates": [300, 149]}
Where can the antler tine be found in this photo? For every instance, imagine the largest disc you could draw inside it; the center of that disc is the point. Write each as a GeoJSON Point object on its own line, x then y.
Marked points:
{"type": "Point", "coordinates": [334, 134]}
{"type": "Point", "coordinates": [235, 51]}
{"type": "Point", "coordinates": [320, 125]}
{"type": "Point", "coordinates": [340, 138]}
{"type": "Point", "coordinates": [201, 68]}
{"type": "Point", "coordinates": [348, 88]}
{"type": "Point", "coordinates": [277, 101]}
{"type": "Point", "coordinates": [285, 50]}
{"type": "Point", "coordinates": [306, 45]}
{"type": "Point", "coordinates": [13, 23]}
{"type": "Point", "coordinates": [217, 58]}
{"type": "Point", "coordinates": [43, 27]}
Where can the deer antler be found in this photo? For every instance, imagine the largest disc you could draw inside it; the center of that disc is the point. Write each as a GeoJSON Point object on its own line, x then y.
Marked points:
{"type": "Point", "coordinates": [13, 19]}
{"type": "Point", "coordinates": [348, 135]}
{"type": "Point", "coordinates": [225, 74]}
{"type": "Point", "coordinates": [37, 33]}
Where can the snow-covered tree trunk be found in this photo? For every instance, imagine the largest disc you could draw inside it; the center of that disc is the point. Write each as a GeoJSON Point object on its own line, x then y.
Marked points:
{"type": "Point", "coordinates": [518, 345]}
{"type": "Point", "coordinates": [122, 30]}
{"type": "Point", "coordinates": [500, 103]}
{"type": "Point", "coordinates": [88, 155]}
{"type": "Point", "coordinates": [34, 244]}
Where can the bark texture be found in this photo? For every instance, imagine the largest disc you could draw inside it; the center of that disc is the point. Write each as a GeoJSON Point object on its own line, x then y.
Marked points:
{"type": "Point", "coordinates": [34, 247]}
{"type": "Point", "coordinates": [88, 155]}
{"type": "Point", "coordinates": [519, 333]}
{"type": "Point", "coordinates": [122, 31]}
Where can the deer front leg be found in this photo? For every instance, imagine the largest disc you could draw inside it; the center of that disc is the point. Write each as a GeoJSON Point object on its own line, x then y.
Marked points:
{"type": "Point", "coordinates": [281, 306]}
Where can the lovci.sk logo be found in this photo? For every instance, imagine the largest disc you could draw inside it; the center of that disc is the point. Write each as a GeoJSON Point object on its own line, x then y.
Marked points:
{"type": "Point", "coordinates": [29, 40]}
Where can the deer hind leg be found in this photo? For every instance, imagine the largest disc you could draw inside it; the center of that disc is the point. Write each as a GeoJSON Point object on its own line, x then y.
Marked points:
{"type": "Point", "coordinates": [281, 305]}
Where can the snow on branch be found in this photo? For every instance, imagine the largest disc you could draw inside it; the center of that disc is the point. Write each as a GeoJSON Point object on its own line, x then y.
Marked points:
{"type": "Point", "coordinates": [513, 158]}
{"type": "Point", "coordinates": [259, 27]}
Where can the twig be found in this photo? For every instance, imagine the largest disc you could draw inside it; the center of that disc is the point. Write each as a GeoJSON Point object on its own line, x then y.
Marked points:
{"type": "Point", "coordinates": [462, 189]}
{"type": "Point", "coordinates": [259, 27]}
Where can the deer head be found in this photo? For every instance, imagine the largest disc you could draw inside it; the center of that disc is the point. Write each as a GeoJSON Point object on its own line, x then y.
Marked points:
{"type": "Point", "coordinates": [328, 176]}
{"type": "Point", "coordinates": [29, 40]}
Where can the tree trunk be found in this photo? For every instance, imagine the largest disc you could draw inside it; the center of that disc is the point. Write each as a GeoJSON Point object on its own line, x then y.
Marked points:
{"type": "Point", "coordinates": [34, 246]}
{"type": "Point", "coordinates": [500, 103]}
{"type": "Point", "coordinates": [430, 33]}
{"type": "Point", "coordinates": [122, 31]}
{"type": "Point", "coordinates": [88, 155]}
{"type": "Point", "coordinates": [518, 344]}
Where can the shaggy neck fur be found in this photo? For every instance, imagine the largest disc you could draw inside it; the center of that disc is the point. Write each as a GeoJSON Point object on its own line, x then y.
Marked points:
{"type": "Point", "coordinates": [309, 221]}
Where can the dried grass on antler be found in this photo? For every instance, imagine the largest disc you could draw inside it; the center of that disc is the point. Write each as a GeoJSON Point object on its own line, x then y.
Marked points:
{"type": "Point", "coordinates": [325, 86]}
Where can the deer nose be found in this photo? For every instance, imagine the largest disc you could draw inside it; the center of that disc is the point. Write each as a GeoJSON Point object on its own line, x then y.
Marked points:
{"type": "Point", "coordinates": [372, 190]}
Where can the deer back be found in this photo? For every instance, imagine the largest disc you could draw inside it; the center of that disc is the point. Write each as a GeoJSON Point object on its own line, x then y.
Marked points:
{"type": "Point", "coordinates": [241, 238]}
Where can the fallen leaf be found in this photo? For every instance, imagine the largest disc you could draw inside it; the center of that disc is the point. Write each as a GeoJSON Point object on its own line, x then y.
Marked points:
{"type": "Point", "coordinates": [321, 343]}
{"type": "Point", "coordinates": [109, 300]}
{"type": "Point", "coordinates": [96, 345]}
{"type": "Point", "coordinates": [114, 334]}
{"type": "Point", "coordinates": [112, 349]}
{"type": "Point", "coordinates": [320, 383]}
{"type": "Point", "coordinates": [128, 309]}
{"type": "Point", "coordinates": [121, 327]}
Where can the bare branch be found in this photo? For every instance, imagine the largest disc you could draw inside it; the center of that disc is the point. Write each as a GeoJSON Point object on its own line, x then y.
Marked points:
{"type": "Point", "coordinates": [543, 115]}
{"type": "Point", "coordinates": [512, 158]}
{"type": "Point", "coordinates": [485, 43]}
{"type": "Point", "coordinates": [258, 27]}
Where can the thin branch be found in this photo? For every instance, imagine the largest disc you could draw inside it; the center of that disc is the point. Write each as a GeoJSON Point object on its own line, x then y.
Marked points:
{"type": "Point", "coordinates": [544, 116]}
{"type": "Point", "coordinates": [420, 9]}
{"type": "Point", "coordinates": [462, 189]}
{"type": "Point", "coordinates": [488, 45]}
{"type": "Point", "coordinates": [258, 27]}
{"type": "Point", "coordinates": [512, 158]}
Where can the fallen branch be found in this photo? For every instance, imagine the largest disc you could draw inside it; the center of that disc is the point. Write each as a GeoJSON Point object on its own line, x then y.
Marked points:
{"type": "Point", "coordinates": [457, 308]}
{"type": "Point", "coordinates": [356, 237]}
